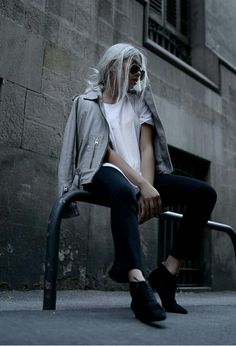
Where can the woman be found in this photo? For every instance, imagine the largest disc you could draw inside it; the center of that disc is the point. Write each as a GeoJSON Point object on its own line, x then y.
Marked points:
{"type": "Point", "coordinates": [114, 146]}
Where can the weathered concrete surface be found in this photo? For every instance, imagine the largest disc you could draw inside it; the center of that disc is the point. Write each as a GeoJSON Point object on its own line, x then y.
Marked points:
{"type": "Point", "coordinates": [12, 113]}
{"type": "Point", "coordinates": [21, 56]}
{"type": "Point", "coordinates": [104, 318]}
{"type": "Point", "coordinates": [216, 38]}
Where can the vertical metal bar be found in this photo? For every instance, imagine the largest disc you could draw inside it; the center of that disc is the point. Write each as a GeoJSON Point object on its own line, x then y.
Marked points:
{"type": "Point", "coordinates": [53, 235]}
{"type": "Point", "coordinates": [165, 239]}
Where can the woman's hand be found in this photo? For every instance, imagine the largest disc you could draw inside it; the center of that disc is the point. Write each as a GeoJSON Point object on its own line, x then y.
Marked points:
{"type": "Point", "coordinates": [149, 203]}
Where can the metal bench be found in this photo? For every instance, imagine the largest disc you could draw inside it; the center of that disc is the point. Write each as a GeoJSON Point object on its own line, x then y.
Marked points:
{"type": "Point", "coordinates": [53, 238]}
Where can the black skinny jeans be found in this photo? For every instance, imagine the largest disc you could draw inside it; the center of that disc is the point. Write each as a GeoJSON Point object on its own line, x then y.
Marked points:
{"type": "Point", "coordinates": [113, 189]}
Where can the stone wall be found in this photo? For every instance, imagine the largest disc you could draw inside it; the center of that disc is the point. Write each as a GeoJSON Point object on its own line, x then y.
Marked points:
{"type": "Point", "coordinates": [220, 28]}
{"type": "Point", "coordinates": [46, 48]}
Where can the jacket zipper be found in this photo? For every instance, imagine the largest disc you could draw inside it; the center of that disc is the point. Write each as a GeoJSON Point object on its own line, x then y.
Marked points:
{"type": "Point", "coordinates": [100, 164]}
{"type": "Point", "coordinates": [94, 149]}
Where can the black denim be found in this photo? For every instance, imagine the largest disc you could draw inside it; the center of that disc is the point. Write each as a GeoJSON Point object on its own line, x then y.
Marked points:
{"type": "Point", "coordinates": [199, 198]}
{"type": "Point", "coordinates": [113, 189]}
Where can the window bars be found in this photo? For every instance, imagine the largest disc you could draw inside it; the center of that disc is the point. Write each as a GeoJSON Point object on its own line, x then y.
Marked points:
{"type": "Point", "coordinates": [168, 26]}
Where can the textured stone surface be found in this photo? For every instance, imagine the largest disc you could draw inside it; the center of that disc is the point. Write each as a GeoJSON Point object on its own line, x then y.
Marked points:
{"type": "Point", "coordinates": [28, 185]}
{"type": "Point", "coordinates": [44, 110]}
{"type": "Point", "coordinates": [41, 139]}
{"type": "Point", "coordinates": [21, 55]}
{"type": "Point", "coordinates": [41, 23]}
{"type": "Point", "coordinates": [63, 9]}
{"type": "Point", "coordinates": [12, 113]}
{"type": "Point", "coordinates": [219, 38]}
{"type": "Point", "coordinates": [13, 9]}
{"type": "Point", "coordinates": [60, 87]}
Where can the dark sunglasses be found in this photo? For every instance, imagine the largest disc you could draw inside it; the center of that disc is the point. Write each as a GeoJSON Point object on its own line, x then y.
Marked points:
{"type": "Point", "coordinates": [135, 69]}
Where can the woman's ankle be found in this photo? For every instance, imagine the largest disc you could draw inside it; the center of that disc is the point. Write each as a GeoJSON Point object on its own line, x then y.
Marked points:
{"type": "Point", "coordinates": [172, 264]}
{"type": "Point", "coordinates": [135, 275]}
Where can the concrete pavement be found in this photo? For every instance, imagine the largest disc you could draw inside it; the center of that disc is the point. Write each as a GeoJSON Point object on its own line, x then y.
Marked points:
{"type": "Point", "coordinates": [104, 318]}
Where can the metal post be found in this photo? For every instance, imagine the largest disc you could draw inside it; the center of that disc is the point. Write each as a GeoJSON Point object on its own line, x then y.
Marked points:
{"type": "Point", "coordinates": [53, 235]}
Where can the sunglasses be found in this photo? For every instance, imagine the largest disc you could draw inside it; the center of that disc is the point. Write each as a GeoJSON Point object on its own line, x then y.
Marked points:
{"type": "Point", "coordinates": [135, 69]}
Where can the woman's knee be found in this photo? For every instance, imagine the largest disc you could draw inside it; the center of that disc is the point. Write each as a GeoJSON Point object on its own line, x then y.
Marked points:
{"type": "Point", "coordinates": [208, 193]}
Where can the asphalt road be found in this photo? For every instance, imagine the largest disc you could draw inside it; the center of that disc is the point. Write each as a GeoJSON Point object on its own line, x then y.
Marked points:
{"type": "Point", "coordinates": [104, 318]}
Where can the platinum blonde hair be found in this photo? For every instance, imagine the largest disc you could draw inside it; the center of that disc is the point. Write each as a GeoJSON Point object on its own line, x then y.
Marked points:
{"type": "Point", "coordinates": [112, 71]}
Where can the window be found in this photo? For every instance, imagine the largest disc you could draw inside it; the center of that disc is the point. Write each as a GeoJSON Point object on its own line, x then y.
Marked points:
{"type": "Point", "coordinates": [168, 26]}
{"type": "Point", "coordinates": [192, 273]}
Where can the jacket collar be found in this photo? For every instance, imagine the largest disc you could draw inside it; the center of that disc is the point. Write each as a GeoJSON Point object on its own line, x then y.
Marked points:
{"type": "Point", "coordinates": [93, 95]}
{"type": "Point", "coordinates": [96, 94]}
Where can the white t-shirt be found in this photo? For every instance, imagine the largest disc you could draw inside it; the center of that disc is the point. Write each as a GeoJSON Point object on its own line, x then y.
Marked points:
{"type": "Point", "coordinates": [125, 120]}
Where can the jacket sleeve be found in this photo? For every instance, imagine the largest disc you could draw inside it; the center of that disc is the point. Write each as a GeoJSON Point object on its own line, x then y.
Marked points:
{"type": "Point", "coordinates": [163, 160]}
{"type": "Point", "coordinates": [66, 167]}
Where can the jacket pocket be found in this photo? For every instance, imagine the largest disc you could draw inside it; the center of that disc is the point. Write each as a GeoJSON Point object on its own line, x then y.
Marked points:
{"type": "Point", "coordinates": [76, 180]}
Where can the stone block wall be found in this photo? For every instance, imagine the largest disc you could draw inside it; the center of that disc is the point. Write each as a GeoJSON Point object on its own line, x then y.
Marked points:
{"type": "Point", "coordinates": [46, 48]}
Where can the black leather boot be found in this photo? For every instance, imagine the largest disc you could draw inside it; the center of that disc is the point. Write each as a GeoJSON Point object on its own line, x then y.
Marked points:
{"type": "Point", "coordinates": [165, 284]}
{"type": "Point", "coordinates": [144, 303]}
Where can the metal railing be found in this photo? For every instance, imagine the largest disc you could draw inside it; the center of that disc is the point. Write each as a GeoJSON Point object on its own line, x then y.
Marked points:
{"type": "Point", "coordinates": [53, 238]}
{"type": "Point", "coordinates": [217, 226]}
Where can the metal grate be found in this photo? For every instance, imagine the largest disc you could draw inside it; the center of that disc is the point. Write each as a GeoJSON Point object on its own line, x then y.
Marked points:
{"type": "Point", "coordinates": [170, 42]}
{"type": "Point", "coordinates": [192, 272]}
{"type": "Point", "coordinates": [184, 17]}
{"type": "Point", "coordinates": [156, 6]}
{"type": "Point", "coordinates": [168, 26]}
{"type": "Point", "coordinates": [171, 12]}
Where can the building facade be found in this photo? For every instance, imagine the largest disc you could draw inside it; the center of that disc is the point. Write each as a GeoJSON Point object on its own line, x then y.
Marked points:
{"type": "Point", "coordinates": [47, 47]}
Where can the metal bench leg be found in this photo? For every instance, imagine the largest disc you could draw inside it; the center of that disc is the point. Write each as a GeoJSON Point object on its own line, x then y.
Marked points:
{"type": "Point", "coordinates": [53, 235]}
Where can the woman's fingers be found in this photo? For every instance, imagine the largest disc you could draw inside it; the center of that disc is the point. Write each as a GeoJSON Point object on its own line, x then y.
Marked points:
{"type": "Point", "coordinates": [153, 207]}
{"type": "Point", "coordinates": [141, 206]}
{"type": "Point", "coordinates": [144, 210]}
{"type": "Point", "coordinates": [156, 206]}
{"type": "Point", "coordinates": [149, 208]}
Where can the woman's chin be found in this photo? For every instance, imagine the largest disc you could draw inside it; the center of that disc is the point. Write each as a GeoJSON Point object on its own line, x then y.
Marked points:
{"type": "Point", "coordinates": [132, 86]}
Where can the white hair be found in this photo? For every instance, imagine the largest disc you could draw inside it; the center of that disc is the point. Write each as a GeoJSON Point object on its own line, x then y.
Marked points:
{"type": "Point", "coordinates": [113, 60]}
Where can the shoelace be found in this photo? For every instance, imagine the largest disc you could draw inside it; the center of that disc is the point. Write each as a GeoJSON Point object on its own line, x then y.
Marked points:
{"type": "Point", "coordinates": [148, 292]}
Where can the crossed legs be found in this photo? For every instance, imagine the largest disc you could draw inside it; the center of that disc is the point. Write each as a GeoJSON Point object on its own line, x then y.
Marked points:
{"type": "Point", "coordinates": [112, 187]}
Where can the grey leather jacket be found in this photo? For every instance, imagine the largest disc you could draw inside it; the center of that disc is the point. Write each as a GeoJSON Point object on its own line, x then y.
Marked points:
{"type": "Point", "coordinates": [86, 139]}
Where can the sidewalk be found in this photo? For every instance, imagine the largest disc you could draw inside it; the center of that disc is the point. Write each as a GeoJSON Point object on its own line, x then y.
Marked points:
{"type": "Point", "coordinates": [104, 318]}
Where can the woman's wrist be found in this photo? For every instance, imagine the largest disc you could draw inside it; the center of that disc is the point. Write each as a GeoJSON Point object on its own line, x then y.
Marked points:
{"type": "Point", "coordinates": [142, 182]}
